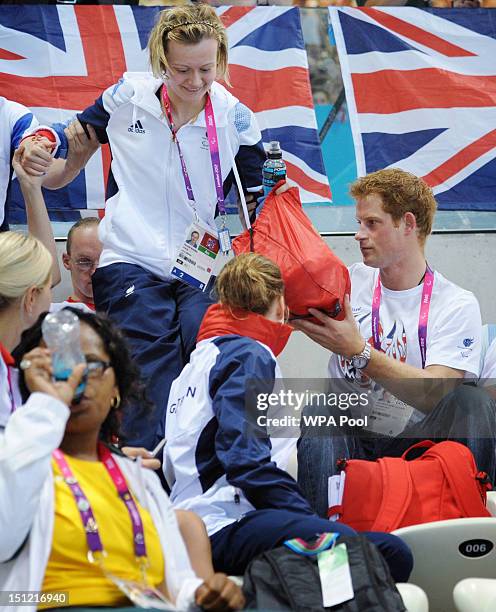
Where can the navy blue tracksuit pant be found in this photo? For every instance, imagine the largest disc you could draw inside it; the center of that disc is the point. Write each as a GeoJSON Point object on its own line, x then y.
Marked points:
{"type": "Point", "coordinates": [234, 546]}
{"type": "Point", "coordinates": [161, 319]}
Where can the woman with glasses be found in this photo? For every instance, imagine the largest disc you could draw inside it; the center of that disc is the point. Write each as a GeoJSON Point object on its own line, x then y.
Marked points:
{"type": "Point", "coordinates": [78, 517]}
{"type": "Point", "coordinates": [219, 459]}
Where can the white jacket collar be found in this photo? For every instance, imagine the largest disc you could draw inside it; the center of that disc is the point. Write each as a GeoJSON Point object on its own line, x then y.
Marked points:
{"type": "Point", "coordinates": [145, 88]}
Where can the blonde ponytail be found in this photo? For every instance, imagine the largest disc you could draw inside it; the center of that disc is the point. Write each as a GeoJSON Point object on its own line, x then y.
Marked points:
{"type": "Point", "coordinates": [24, 263]}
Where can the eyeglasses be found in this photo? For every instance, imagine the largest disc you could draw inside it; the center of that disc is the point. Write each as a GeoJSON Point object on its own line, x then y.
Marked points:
{"type": "Point", "coordinates": [96, 368]}
{"type": "Point", "coordinates": [85, 265]}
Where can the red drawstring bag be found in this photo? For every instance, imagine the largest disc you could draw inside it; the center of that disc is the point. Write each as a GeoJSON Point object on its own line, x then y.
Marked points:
{"type": "Point", "coordinates": [314, 277]}
{"type": "Point", "coordinates": [393, 492]}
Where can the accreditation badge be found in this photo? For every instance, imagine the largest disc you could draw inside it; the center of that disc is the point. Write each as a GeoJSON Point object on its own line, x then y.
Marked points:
{"type": "Point", "coordinates": [335, 576]}
{"type": "Point", "coordinates": [141, 594]}
{"type": "Point", "coordinates": [197, 258]}
{"type": "Point", "coordinates": [389, 415]}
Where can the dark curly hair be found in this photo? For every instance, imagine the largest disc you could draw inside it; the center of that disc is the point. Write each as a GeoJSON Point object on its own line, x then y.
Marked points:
{"type": "Point", "coordinates": [131, 389]}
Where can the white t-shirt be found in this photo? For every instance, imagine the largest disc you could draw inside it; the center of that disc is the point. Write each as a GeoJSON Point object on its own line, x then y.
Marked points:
{"type": "Point", "coordinates": [453, 332]}
{"type": "Point", "coordinates": [56, 306]}
{"type": "Point", "coordinates": [489, 368]}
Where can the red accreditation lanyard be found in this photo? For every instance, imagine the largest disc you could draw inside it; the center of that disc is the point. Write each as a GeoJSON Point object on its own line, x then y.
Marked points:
{"type": "Point", "coordinates": [9, 362]}
{"type": "Point", "coordinates": [213, 145]}
{"type": "Point", "coordinates": [86, 513]}
{"type": "Point", "coordinates": [423, 316]}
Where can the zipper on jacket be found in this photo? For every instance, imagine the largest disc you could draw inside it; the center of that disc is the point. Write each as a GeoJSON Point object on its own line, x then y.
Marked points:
{"type": "Point", "coordinates": [170, 176]}
{"type": "Point", "coordinates": [237, 499]}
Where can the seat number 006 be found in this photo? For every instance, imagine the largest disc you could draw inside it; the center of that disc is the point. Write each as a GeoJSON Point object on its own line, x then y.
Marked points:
{"type": "Point", "coordinates": [475, 548]}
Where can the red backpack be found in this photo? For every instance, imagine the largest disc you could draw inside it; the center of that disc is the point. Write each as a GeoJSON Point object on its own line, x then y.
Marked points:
{"type": "Point", "coordinates": [384, 495]}
{"type": "Point", "coordinates": [313, 275]}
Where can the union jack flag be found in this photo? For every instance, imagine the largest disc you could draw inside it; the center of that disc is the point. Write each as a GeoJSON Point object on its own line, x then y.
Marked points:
{"type": "Point", "coordinates": [421, 92]}
{"type": "Point", "coordinates": [57, 59]}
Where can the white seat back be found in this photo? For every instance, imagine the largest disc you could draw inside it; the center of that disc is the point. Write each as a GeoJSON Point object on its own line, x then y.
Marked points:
{"type": "Point", "coordinates": [445, 552]}
{"type": "Point", "coordinates": [414, 597]}
{"type": "Point", "coordinates": [475, 595]}
{"type": "Point", "coordinates": [491, 502]}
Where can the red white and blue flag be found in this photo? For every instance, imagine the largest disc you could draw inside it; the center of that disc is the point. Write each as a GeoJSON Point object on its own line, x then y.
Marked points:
{"type": "Point", "coordinates": [58, 59]}
{"type": "Point", "coordinates": [421, 93]}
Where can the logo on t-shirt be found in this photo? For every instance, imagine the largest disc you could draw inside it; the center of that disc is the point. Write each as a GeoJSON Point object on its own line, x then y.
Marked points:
{"type": "Point", "coordinates": [393, 343]}
{"type": "Point", "coordinates": [466, 347]}
{"type": "Point", "coordinates": [137, 128]}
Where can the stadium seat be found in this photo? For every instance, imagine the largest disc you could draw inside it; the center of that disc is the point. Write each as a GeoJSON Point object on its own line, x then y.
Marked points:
{"type": "Point", "coordinates": [414, 597]}
{"type": "Point", "coordinates": [475, 595]}
{"type": "Point", "coordinates": [446, 552]}
{"type": "Point", "coordinates": [491, 503]}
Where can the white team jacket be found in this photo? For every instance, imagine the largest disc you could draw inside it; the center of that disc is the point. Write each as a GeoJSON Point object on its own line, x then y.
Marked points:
{"type": "Point", "coordinates": [27, 502]}
{"type": "Point", "coordinates": [5, 399]}
{"type": "Point", "coordinates": [147, 212]}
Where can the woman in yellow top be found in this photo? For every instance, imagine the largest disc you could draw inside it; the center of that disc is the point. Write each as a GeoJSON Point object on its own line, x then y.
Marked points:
{"type": "Point", "coordinates": [77, 517]}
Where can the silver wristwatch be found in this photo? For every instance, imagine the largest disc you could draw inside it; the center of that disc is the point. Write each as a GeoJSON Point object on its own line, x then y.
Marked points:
{"type": "Point", "coordinates": [361, 360]}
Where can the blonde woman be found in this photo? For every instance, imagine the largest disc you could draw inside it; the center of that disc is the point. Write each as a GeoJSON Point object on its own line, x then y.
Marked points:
{"type": "Point", "coordinates": [25, 280]}
{"type": "Point", "coordinates": [234, 478]}
{"type": "Point", "coordinates": [150, 119]}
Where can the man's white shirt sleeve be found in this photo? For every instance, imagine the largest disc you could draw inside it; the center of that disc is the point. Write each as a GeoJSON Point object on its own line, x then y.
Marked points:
{"type": "Point", "coordinates": [455, 337]}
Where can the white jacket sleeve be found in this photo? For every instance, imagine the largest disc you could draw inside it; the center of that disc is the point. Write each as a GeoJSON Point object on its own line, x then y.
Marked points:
{"type": "Point", "coordinates": [32, 433]}
{"type": "Point", "coordinates": [181, 580]}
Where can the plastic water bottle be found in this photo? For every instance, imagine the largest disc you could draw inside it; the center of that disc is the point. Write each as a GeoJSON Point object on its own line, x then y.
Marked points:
{"type": "Point", "coordinates": [274, 168]}
{"type": "Point", "coordinates": [61, 335]}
